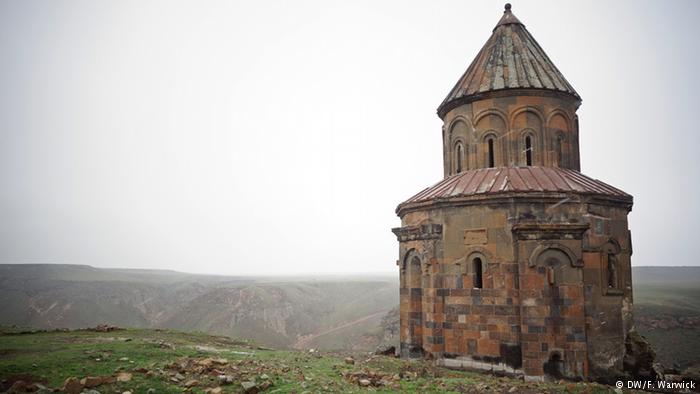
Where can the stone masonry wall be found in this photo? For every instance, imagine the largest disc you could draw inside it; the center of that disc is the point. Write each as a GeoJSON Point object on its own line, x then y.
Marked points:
{"type": "Point", "coordinates": [549, 120]}
{"type": "Point", "coordinates": [544, 307]}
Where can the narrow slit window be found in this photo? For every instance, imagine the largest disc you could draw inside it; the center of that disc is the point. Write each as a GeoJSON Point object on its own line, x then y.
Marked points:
{"type": "Point", "coordinates": [460, 157]}
{"type": "Point", "coordinates": [559, 150]}
{"type": "Point", "coordinates": [478, 273]}
{"type": "Point", "coordinates": [528, 150]}
{"type": "Point", "coordinates": [491, 153]}
{"type": "Point", "coordinates": [612, 271]}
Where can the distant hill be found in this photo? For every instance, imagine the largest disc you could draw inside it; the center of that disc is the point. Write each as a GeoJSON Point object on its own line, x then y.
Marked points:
{"type": "Point", "coordinates": [666, 275]}
{"type": "Point", "coordinates": [328, 312]}
{"type": "Point", "coordinates": [283, 312]}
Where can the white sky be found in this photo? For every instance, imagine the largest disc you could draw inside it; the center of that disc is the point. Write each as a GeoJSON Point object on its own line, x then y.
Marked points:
{"type": "Point", "coordinates": [267, 137]}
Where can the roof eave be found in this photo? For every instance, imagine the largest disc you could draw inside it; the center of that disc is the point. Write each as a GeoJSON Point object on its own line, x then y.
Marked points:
{"type": "Point", "coordinates": [625, 201]}
{"type": "Point", "coordinates": [448, 106]}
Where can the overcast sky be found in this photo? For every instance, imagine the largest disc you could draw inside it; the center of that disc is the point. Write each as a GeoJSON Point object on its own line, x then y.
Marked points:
{"type": "Point", "coordinates": [264, 137]}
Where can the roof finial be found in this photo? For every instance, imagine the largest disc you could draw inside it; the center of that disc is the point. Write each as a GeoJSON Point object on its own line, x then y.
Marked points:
{"type": "Point", "coordinates": [507, 7]}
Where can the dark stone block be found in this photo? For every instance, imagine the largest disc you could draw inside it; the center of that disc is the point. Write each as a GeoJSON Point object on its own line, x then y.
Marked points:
{"type": "Point", "coordinates": [504, 310]}
{"type": "Point", "coordinates": [512, 355]}
{"type": "Point", "coordinates": [471, 346]}
{"type": "Point", "coordinates": [536, 329]}
{"type": "Point", "coordinates": [457, 309]}
{"type": "Point", "coordinates": [482, 309]}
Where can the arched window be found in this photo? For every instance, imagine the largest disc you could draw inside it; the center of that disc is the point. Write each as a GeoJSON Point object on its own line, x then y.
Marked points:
{"type": "Point", "coordinates": [414, 273]}
{"type": "Point", "coordinates": [528, 150]}
{"type": "Point", "coordinates": [554, 367]}
{"type": "Point", "coordinates": [459, 152]}
{"type": "Point", "coordinates": [478, 273]}
{"type": "Point", "coordinates": [559, 143]}
{"type": "Point", "coordinates": [491, 158]}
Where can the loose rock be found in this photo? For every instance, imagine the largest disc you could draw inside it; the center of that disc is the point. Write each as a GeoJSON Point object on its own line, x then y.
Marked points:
{"type": "Point", "coordinates": [191, 383]}
{"type": "Point", "coordinates": [124, 377]}
{"type": "Point", "coordinates": [249, 387]}
{"type": "Point", "coordinates": [72, 386]}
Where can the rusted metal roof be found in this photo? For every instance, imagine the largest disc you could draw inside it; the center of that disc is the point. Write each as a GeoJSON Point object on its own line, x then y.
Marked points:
{"type": "Point", "coordinates": [510, 59]}
{"type": "Point", "coordinates": [504, 180]}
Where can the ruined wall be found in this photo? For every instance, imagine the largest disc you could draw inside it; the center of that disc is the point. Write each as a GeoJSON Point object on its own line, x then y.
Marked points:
{"type": "Point", "coordinates": [608, 294]}
{"type": "Point", "coordinates": [549, 121]}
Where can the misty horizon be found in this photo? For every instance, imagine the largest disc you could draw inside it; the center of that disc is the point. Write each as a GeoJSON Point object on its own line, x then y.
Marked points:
{"type": "Point", "coordinates": [278, 139]}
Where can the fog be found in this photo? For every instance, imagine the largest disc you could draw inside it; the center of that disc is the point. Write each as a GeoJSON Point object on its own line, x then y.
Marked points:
{"type": "Point", "coordinates": [278, 137]}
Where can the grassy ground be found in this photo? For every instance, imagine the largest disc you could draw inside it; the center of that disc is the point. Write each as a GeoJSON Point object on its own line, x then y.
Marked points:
{"type": "Point", "coordinates": [167, 360]}
{"type": "Point", "coordinates": [675, 346]}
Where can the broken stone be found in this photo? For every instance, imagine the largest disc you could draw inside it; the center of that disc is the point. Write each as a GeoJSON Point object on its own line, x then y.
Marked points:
{"type": "Point", "coordinates": [72, 386]}
{"type": "Point", "coordinates": [91, 381]}
{"type": "Point", "coordinates": [191, 383]}
{"type": "Point", "coordinates": [178, 376]}
{"type": "Point", "coordinates": [640, 358]}
{"type": "Point", "coordinates": [349, 361]}
{"type": "Point", "coordinates": [206, 362]}
{"type": "Point", "coordinates": [124, 377]}
{"type": "Point", "coordinates": [225, 379]}
{"type": "Point", "coordinates": [387, 351]}
{"type": "Point", "coordinates": [364, 382]}
{"type": "Point", "coordinates": [249, 387]}
{"type": "Point", "coordinates": [105, 328]}
{"type": "Point", "coordinates": [21, 386]}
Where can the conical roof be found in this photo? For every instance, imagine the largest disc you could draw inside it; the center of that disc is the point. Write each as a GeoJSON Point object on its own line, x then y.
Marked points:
{"type": "Point", "coordinates": [510, 59]}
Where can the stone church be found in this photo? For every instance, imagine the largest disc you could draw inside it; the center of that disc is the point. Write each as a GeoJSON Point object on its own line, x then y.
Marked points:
{"type": "Point", "coordinates": [515, 262]}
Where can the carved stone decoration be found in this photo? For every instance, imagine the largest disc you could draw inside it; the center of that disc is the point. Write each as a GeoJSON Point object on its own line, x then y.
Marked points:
{"type": "Point", "coordinates": [539, 255]}
{"type": "Point", "coordinates": [421, 232]}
